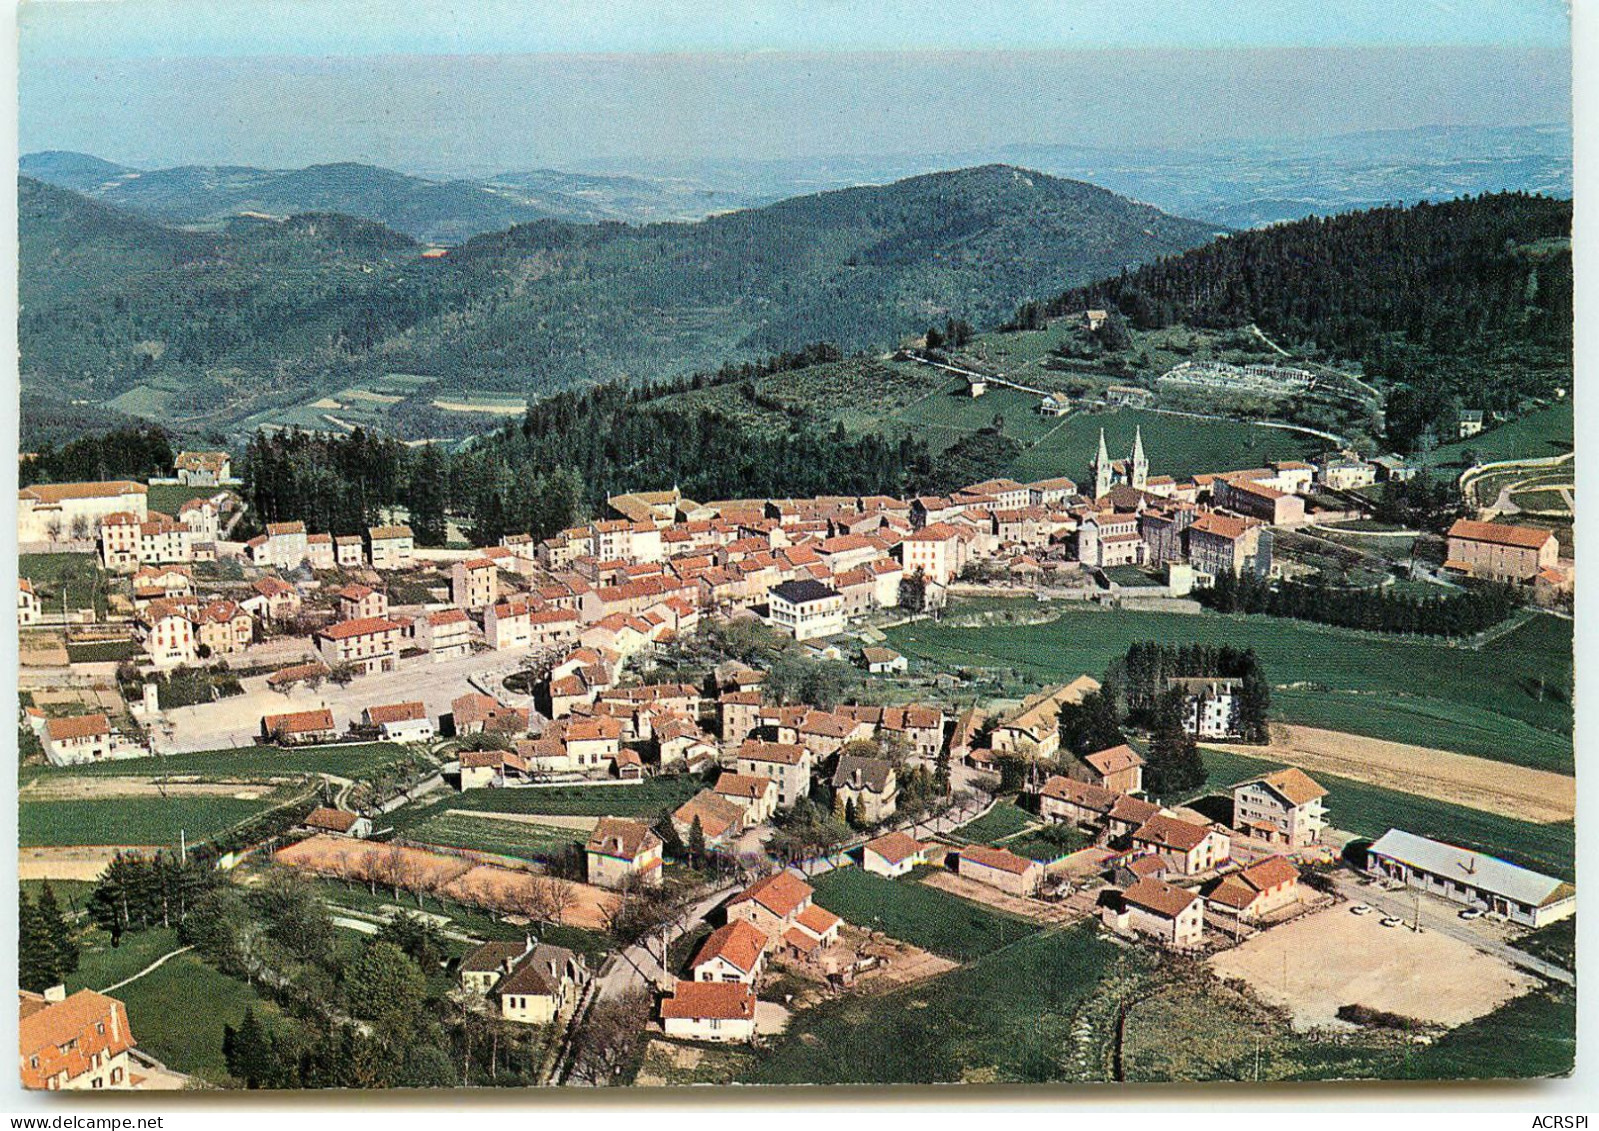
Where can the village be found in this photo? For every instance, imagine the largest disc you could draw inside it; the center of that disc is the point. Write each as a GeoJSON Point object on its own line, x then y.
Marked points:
{"type": "Point", "coordinates": [627, 655]}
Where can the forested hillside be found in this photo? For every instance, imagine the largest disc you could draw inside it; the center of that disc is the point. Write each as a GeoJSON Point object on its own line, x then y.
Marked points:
{"type": "Point", "coordinates": [1471, 298]}
{"type": "Point", "coordinates": [262, 311]}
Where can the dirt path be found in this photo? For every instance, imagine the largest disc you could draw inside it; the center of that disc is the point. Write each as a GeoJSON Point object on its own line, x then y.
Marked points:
{"type": "Point", "coordinates": [100, 789]}
{"type": "Point", "coordinates": [72, 862]}
{"type": "Point", "coordinates": [1477, 783]}
{"type": "Point", "coordinates": [549, 820]}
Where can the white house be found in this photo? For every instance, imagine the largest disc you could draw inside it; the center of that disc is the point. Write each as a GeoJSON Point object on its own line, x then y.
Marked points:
{"type": "Point", "coordinates": [893, 854]}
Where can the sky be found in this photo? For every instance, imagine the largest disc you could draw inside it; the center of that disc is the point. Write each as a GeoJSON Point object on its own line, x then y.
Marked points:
{"type": "Point", "coordinates": [491, 85]}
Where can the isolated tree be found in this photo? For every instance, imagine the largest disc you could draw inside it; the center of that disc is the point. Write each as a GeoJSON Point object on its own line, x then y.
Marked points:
{"type": "Point", "coordinates": [696, 840]}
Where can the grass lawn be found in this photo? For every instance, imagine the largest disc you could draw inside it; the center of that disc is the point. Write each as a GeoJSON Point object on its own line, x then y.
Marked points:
{"type": "Point", "coordinates": [920, 915]}
{"type": "Point", "coordinates": [1555, 943]}
{"type": "Point", "coordinates": [1005, 1018]}
{"type": "Point", "coordinates": [1370, 811]}
{"type": "Point", "coordinates": [132, 820]}
{"type": "Point", "coordinates": [1049, 843]}
{"type": "Point", "coordinates": [1530, 1036]}
{"type": "Point", "coordinates": [178, 1012]}
{"type": "Point", "coordinates": [1489, 700]}
{"type": "Point", "coordinates": [1003, 820]}
{"type": "Point", "coordinates": [485, 834]}
{"type": "Point", "coordinates": [248, 763]}
{"type": "Point", "coordinates": [101, 965]}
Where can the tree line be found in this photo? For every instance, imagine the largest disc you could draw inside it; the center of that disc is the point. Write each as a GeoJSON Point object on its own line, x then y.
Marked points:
{"type": "Point", "coordinates": [1463, 613]}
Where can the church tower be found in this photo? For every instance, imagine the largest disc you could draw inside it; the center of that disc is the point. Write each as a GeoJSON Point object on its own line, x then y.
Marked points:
{"type": "Point", "coordinates": [1101, 469]}
{"type": "Point", "coordinates": [1138, 466]}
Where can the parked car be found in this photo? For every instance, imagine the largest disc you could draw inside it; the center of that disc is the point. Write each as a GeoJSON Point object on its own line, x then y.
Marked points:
{"type": "Point", "coordinates": [1393, 921]}
{"type": "Point", "coordinates": [1472, 913]}
{"type": "Point", "coordinates": [1360, 909]}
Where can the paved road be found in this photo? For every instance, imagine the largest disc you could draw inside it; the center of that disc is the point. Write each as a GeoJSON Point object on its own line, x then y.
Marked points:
{"type": "Point", "coordinates": [637, 967]}
{"type": "Point", "coordinates": [1444, 917]}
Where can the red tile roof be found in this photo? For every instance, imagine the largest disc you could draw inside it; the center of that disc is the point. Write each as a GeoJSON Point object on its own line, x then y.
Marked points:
{"type": "Point", "coordinates": [739, 943]}
{"type": "Point", "coordinates": [781, 893]}
{"type": "Point", "coordinates": [704, 1001]}
{"type": "Point", "coordinates": [1500, 534]}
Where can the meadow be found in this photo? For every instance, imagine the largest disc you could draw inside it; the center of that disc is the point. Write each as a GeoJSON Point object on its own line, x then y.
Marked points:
{"type": "Point", "coordinates": [1006, 1018]}
{"type": "Point", "coordinates": [1369, 811]}
{"type": "Point", "coordinates": [1179, 446]}
{"type": "Point", "coordinates": [923, 916]}
{"type": "Point", "coordinates": [168, 497]}
{"type": "Point", "coordinates": [131, 820]}
{"type": "Point", "coordinates": [517, 839]}
{"type": "Point", "coordinates": [1544, 432]}
{"type": "Point", "coordinates": [188, 1039]}
{"type": "Point", "coordinates": [1509, 701]}
{"type": "Point", "coordinates": [79, 576]}
{"type": "Point", "coordinates": [356, 761]}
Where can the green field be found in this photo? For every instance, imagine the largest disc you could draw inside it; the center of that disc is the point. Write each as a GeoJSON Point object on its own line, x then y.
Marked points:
{"type": "Point", "coordinates": [920, 915]}
{"type": "Point", "coordinates": [1488, 702]}
{"type": "Point", "coordinates": [356, 761]}
{"type": "Point", "coordinates": [1369, 811]}
{"type": "Point", "coordinates": [504, 838]}
{"type": "Point", "coordinates": [1003, 820]}
{"type": "Point", "coordinates": [101, 965]}
{"type": "Point", "coordinates": [188, 1038]}
{"type": "Point", "coordinates": [168, 497]}
{"type": "Point", "coordinates": [1555, 943]}
{"type": "Point", "coordinates": [102, 652]}
{"type": "Point", "coordinates": [1006, 1018]}
{"type": "Point", "coordinates": [1047, 845]}
{"type": "Point", "coordinates": [1549, 431]}
{"type": "Point", "coordinates": [648, 799]}
{"type": "Point", "coordinates": [132, 820]}
{"type": "Point", "coordinates": [1529, 1036]}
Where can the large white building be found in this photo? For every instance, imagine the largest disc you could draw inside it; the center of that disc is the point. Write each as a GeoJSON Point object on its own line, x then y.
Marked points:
{"type": "Point", "coordinates": [806, 609]}
{"type": "Point", "coordinates": [1473, 878]}
{"type": "Point", "coordinates": [56, 512]}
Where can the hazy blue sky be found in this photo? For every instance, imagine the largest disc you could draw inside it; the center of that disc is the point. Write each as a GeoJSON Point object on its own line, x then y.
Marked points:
{"type": "Point", "coordinates": [475, 86]}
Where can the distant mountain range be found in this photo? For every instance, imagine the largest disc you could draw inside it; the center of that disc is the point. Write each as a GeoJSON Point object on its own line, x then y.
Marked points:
{"type": "Point", "coordinates": [445, 212]}
{"type": "Point", "coordinates": [1237, 185]}
{"type": "Point", "coordinates": [211, 326]}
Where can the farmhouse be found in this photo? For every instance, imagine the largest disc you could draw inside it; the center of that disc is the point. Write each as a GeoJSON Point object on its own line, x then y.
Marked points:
{"type": "Point", "coordinates": [733, 953]}
{"type": "Point", "coordinates": [1075, 802]}
{"type": "Point", "coordinates": [1500, 552]}
{"type": "Point", "coordinates": [77, 740]}
{"type": "Point", "coordinates": [1187, 848]}
{"type": "Point", "coordinates": [710, 1011]}
{"type": "Point", "coordinates": [1036, 728]}
{"type": "Point", "coordinates": [1284, 807]}
{"type": "Point", "coordinates": [299, 728]}
{"type": "Point", "coordinates": [1000, 868]}
{"type": "Point", "coordinates": [1472, 878]}
{"type": "Point", "coordinates": [772, 903]}
{"type": "Point", "coordinates": [623, 852]}
{"type": "Point", "coordinates": [1171, 914]}
{"type": "Point", "coordinates": [1119, 769]}
{"type": "Point", "coordinates": [893, 854]}
{"type": "Point", "coordinates": [1251, 893]}
{"type": "Point", "coordinates": [338, 822]}
{"type": "Point", "coordinates": [81, 1042]}
{"type": "Point", "coordinates": [401, 722]}
{"type": "Point", "coordinates": [883, 661]}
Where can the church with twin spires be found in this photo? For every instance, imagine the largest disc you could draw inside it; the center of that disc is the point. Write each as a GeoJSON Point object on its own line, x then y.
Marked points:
{"type": "Point", "coordinates": [1106, 473]}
